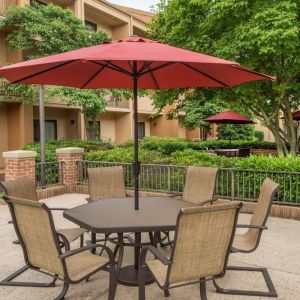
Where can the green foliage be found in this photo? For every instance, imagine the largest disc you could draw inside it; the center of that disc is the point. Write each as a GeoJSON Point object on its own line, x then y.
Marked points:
{"type": "Point", "coordinates": [51, 147]}
{"type": "Point", "coordinates": [260, 34]}
{"type": "Point", "coordinates": [259, 135]}
{"type": "Point", "coordinates": [42, 30]}
{"type": "Point", "coordinates": [170, 145]}
{"type": "Point", "coordinates": [235, 132]}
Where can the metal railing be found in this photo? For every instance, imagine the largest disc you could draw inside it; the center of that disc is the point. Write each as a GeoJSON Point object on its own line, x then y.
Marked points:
{"type": "Point", "coordinates": [53, 174]}
{"type": "Point", "coordinates": [239, 184]}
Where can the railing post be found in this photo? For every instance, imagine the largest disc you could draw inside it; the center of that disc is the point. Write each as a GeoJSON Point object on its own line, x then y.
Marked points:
{"type": "Point", "coordinates": [169, 178]}
{"type": "Point", "coordinates": [69, 158]}
{"type": "Point", "coordinates": [19, 164]}
{"type": "Point", "coordinates": [232, 184]}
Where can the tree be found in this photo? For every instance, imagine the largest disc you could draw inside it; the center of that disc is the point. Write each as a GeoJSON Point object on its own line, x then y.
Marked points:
{"type": "Point", "coordinates": [41, 30]}
{"type": "Point", "coordinates": [260, 34]}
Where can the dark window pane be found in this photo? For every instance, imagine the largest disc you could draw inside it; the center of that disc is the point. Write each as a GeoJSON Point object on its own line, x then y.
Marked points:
{"type": "Point", "coordinates": [50, 130]}
{"type": "Point", "coordinates": [91, 26]}
{"type": "Point", "coordinates": [141, 130]}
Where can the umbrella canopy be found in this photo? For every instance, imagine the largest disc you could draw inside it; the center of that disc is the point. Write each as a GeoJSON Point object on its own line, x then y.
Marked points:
{"type": "Point", "coordinates": [296, 115]}
{"type": "Point", "coordinates": [135, 63]}
{"type": "Point", "coordinates": [229, 117]}
{"type": "Point", "coordinates": [113, 64]}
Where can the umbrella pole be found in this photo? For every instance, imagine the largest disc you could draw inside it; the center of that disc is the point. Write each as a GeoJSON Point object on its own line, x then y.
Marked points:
{"type": "Point", "coordinates": [136, 164]}
{"type": "Point", "coordinates": [42, 133]}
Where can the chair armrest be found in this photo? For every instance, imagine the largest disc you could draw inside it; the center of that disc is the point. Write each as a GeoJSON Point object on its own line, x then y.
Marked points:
{"type": "Point", "coordinates": [156, 253]}
{"type": "Point", "coordinates": [203, 202]}
{"type": "Point", "coordinates": [251, 226]}
{"type": "Point", "coordinates": [86, 248]}
{"type": "Point", "coordinates": [58, 208]}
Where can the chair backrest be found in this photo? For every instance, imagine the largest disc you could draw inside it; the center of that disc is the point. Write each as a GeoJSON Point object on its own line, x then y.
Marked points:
{"type": "Point", "coordinates": [21, 188]}
{"type": "Point", "coordinates": [106, 182]}
{"type": "Point", "coordinates": [268, 190]}
{"type": "Point", "coordinates": [199, 184]}
{"type": "Point", "coordinates": [202, 243]}
{"type": "Point", "coordinates": [35, 230]}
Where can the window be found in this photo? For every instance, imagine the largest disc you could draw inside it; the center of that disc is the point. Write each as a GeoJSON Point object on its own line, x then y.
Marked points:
{"type": "Point", "coordinates": [141, 130]}
{"type": "Point", "coordinates": [38, 2]}
{"type": "Point", "coordinates": [50, 130]}
{"type": "Point", "coordinates": [97, 131]}
{"type": "Point", "coordinates": [91, 26]}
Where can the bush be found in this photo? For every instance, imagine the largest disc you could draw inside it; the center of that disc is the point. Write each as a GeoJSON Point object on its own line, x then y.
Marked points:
{"type": "Point", "coordinates": [170, 145]}
{"type": "Point", "coordinates": [259, 135]}
{"type": "Point", "coordinates": [52, 145]}
{"type": "Point", "coordinates": [235, 132]}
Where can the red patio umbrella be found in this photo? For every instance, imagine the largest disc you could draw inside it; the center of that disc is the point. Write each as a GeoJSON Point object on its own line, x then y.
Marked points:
{"type": "Point", "coordinates": [135, 63]}
{"type": "Point", "coordinates": [296, 115]}
{"type": "Point", "coordinates": [229, 117]}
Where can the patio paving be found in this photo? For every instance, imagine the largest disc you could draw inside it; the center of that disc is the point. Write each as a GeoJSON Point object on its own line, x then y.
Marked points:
{"type": "Point", "coordinates": [278, 251]}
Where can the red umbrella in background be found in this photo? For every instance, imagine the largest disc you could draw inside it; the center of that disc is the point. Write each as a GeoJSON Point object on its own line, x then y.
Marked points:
{"type": "Point", "coordinates": [296, 115]}
{"type": "Point", "coordinates": [229, 117]}
{"type": "Point", "coordinates": [135, 63]}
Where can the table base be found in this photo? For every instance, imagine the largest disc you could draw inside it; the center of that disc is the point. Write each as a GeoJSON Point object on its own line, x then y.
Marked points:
{"type": "Point", "coordinates": [129, 276]}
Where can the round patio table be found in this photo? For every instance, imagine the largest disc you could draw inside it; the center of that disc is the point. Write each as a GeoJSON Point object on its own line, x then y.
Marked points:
{"type": "Point", "coordinates": [117, 215]}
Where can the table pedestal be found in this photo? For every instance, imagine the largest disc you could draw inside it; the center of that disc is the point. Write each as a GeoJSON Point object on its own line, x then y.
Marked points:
{"type": "Point", "coordinates": [128, 275]}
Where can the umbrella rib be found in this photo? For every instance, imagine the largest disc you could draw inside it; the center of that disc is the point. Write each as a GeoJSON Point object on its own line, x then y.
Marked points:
{"type": "Point", "coordinates": [44, 71]}
{"type": "Point", "coordinates": [205, 74]}
{"type": "Point", "coordinates": [251, 71]}
{"type": "Point", "coordinates": [154, 80]}
{"type": "Point", "coordinates": [119, 68]}
{"type": "Point", "coordinates": [146, 65]}
{"type": "Point", "coordinates": [112, 68]}
{"type": "Point", "coordinates": [93, 77]}
{"type": "Point", "coordinates": [157, 68]}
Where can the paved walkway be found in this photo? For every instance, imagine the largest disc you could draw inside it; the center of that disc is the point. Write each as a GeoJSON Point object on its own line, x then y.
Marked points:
{"type": "Point", "coordinates": [279, 252]}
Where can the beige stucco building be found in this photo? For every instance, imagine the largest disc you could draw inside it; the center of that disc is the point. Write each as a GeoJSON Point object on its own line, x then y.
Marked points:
{"type": "Point", "coordinates": [19, 122]}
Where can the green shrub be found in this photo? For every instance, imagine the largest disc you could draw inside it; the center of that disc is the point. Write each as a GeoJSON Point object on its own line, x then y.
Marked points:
{"type": "Point", "coordinates": [235, 132]}
{"type": "Point", "coordinates": [259, 135]}
{"type": "Point", "coordinates": [52, 145]}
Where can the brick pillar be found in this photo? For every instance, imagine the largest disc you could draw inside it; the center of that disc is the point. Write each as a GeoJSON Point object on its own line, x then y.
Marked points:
{"type": "Point", "coordinates": [69, 157]}
{"type": "Point", "coordinates": [18, 164]}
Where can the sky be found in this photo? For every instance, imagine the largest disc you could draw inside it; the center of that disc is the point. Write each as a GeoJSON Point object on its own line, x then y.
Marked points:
{"type": "Point", "coordinates": [139, 4]}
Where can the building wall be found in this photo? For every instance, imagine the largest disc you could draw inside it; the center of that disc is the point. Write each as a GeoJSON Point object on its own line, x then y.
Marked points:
{"type": "Point", "coordinates": [108, 126]}
{"type": "Point", "coordinates": [3, 131]}
{"type": "Point", "coordinates": [123, 128]}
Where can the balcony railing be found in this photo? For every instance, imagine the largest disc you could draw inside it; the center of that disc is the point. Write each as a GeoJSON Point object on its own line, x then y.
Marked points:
{"type": "Point", "coordinates": [53, 174]}
{"type": "Point", "coordinates": [118, 104]}
{"type": "Point", "coordinates": [5, 4]}
{"type": "Point", "coordinates": [238, 184]}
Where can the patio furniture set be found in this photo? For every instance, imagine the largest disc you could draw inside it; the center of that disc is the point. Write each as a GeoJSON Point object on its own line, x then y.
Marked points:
{"type": "Point", "coordinates": [204, 230]}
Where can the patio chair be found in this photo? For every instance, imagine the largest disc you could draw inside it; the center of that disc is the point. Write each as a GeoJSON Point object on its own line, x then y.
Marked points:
{"type": "Point", "coordinates": [203, 238]}
{"type": "Point", "coordinates": [199, 186]}
{"type": "Point", "coordinates": [25, 188]}
{"type": "Point", "coordinates": [42, 252]}
{"type": "Point", "coordinates": [249, 241]}
{"type": "Point", "coordinates": [106, 182]}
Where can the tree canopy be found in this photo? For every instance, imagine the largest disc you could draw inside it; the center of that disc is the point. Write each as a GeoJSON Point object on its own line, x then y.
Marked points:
{"type": "Point", "coordinates": [41, 30]}
{"type": "Point", "coordinates": [260, 34]}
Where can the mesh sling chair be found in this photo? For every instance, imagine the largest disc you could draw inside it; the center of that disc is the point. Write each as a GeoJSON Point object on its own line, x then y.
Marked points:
{"type": "Point", "coordinates": [203, 238]}
{"type": "Point", "coordinates": [249, 241]}
{"type": "Point", "coordinates": [105, 182]}
{"type": "Point", "coordinates": [199, 186]}
{"type": "Point", "coordinates": [25, 188]}
{"type": "Point", "coordinates": [42, 252]}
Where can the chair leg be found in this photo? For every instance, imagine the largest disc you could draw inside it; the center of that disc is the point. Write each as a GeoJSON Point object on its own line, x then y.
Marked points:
{"type": "Point", "coordinates": [203, 295]}
{"type": "Point", "coordinates": [8, 280]}
{"type": "Point", "coordinates": [81, 241]}
{"type": "Point", "coordinates": [63, 292]}
{"type": "Point", "coordinates": [271, 289]}
{"type": "Point", "coordinates": [112, 283]}
{"type": "Point", "coordinates": [167, 293]}
{"type": "Point", "coordinates": [141, 279]}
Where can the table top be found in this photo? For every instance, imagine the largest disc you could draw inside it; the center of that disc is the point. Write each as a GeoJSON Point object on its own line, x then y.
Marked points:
{"type": "Point", "coordinates": [226, 150]}
{"type": "Point", "coordinates": [118, 215]}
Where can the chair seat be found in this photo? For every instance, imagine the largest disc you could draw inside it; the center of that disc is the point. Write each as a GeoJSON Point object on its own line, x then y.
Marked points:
{"type": "Point", "coordinates": [159, 271]}
{"type": "Point", "coordinates": [72, 234]}
{"type": "Point", "coordinates": [243, 242]}
{"type": "Point", "coordinates": [83, 264]}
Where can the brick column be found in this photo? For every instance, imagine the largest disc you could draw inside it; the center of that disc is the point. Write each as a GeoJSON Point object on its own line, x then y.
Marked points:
{"type": "Point", "coordinates": [69, 157]}
{"type": "Point", "coordinates": [19, 164]}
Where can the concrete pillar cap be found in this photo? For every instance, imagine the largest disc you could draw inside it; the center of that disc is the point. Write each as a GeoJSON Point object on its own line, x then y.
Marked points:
{"type": "Point", "coordinates": [70, 150]}
{"type": "Point", "coordinates": [19, 154]}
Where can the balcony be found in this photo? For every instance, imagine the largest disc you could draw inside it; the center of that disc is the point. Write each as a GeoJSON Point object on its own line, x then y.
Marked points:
{"type": "Point", "coordinates": [5, 4]}
{"type": "Point", "coordinates": [114, 104]}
